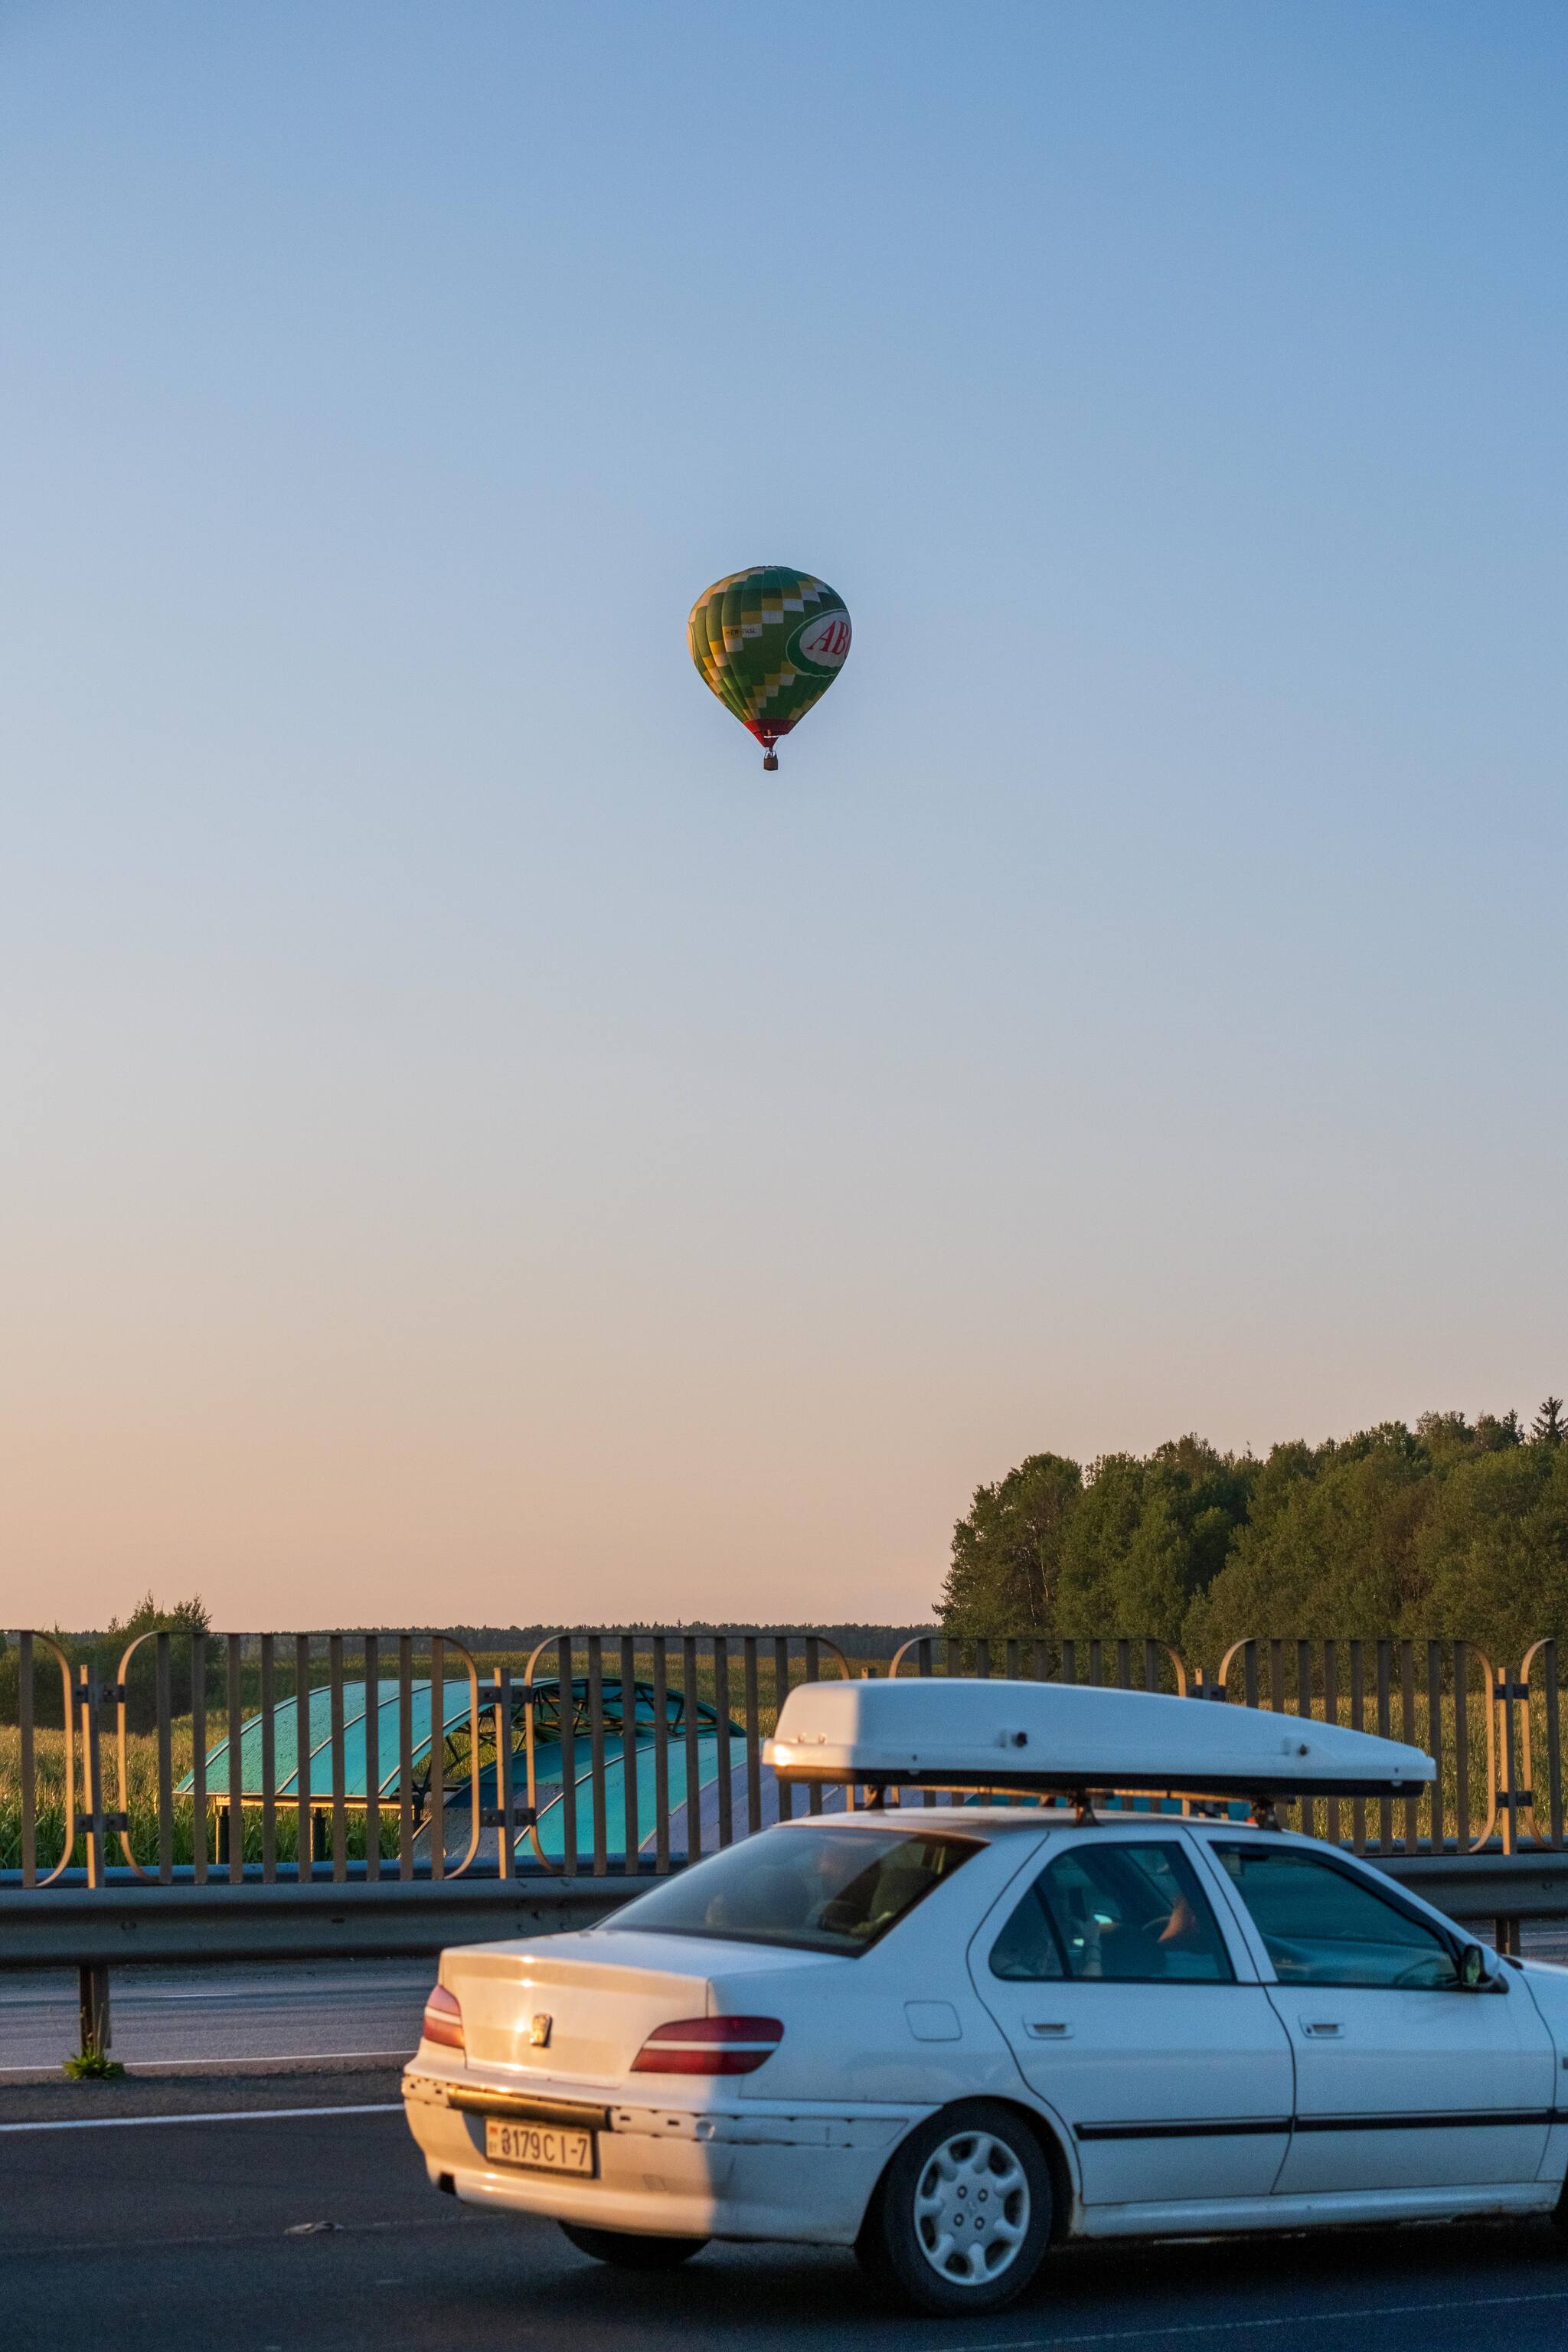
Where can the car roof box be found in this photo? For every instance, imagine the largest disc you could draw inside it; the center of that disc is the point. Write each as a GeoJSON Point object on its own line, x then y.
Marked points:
{"type": "Point", "coordinates": [948, 1732]}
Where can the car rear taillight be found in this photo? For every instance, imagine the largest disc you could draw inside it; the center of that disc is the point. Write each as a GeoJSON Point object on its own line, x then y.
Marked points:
{"type": "Point", "coordinates": [709, 2045]}
{"type": "Point", "coordinates": [444, 2018]}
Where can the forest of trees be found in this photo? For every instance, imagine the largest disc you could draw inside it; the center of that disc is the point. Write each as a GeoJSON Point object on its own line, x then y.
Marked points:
{"type": "Point", "coordinates": [1451, 1528]}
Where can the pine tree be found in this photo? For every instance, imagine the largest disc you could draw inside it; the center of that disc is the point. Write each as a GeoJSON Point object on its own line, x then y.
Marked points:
{"type": "Point", "coordinates": [1549, 1428]}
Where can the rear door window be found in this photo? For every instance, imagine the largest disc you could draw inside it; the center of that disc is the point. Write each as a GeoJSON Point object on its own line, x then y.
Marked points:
{"type": "Point", "coordinates": [1120, 1911]}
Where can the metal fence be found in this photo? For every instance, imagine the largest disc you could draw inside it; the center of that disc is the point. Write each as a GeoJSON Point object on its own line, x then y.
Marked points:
{"type": "Point", "coordinates": [1495, 1738]}
{"type": "Point", "coordinates": [354, 1758]}
{"type": "Point", "coordinates": [346, 1759]}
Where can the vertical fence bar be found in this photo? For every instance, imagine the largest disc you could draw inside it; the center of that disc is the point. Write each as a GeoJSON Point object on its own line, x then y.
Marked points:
{"type": "Point", "coordinates": [596, 1747]}
{"type": "Point", "coordinates": [1249, 1674]}
{"type": "Point", "coordinates": [162, 1700]}
{"type": "Point", "coordinates": [266, 1685]}
{"type": "Point", "coordinates": [753, 1737]}
{"type": "Point", "coordinates": [305, 1865]}
{"type": "Point", "coordinates": [983, 1659]}
{"type": "Point", "coordinates": [814, 1673]}
{"type": "Point", "coordinates": [1508, 1760]}
{"type": "Point", "coordinates": [29, 1762]}
{"type": "Point", "coordinates": [1357, 1722]}
{"type": "Point", "coordinates": [1461, 1747]}
{"type": "Point", "coordinates": [780, 1692]}
{"type": "Point", "coordinates": [340, 1765]}
{"type": "Point", "coordinates": [198, 1757]}
{"type": "Point", "coordinates": [1385, 1731]}
{"type": "Point", "coordinates": [1407, 1721]}
{"type": "Point", "coordinates": [1435, 1735]}
{"type": "Point", "coordinates": [629, 1815]}
{"type": "Point", "coordinates": [92, 1774]}
{"type": "Point", "coordinates": [1304, 1707]}
{"type": "Point", "coordinates": [1331, 1714]}
{"type": "Point", "coordinates": [437, 1777]}
{"type": "Point", "coordinates": [566, 1711]}
{"type": "Point", "coordinates": [370, 1652]}
{"type": "Point", "coordinates": [406, 1756]}
{"type": "Point", "coordinates": [693, 1754]}
{"type": "Point", "coordinates": [1554, 1745]}
{"type": "Point", "coordinates": [506, 1801]}
{"type": "Point", "coordinates": [661, 1755]}
{"type": "Point", "coordinates": [726, 1764]}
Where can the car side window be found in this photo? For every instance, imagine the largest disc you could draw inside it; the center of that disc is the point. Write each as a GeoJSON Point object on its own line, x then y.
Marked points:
{"type": "Point", "coordinates": [1116, 1911]}
{"type": "Point", "coordinates": [1027, 1951]}
{"type": "Point", "coordinates": [1324, 1926]}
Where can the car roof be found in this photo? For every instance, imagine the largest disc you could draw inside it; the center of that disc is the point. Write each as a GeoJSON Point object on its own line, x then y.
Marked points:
{"type": "Point", "coordinates": [993, 1821]}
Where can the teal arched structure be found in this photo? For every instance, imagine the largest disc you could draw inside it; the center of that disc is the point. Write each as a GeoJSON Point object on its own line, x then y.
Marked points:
{"type": "Point", "coordinates": [718, 1751]}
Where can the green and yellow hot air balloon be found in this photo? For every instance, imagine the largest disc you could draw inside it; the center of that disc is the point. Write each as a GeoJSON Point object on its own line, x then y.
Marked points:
{"type": "Point", "coordinates": [770, 642]}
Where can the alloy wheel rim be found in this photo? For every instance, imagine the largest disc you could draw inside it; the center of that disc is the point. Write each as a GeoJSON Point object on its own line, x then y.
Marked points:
{"type": "Point", "coordinates": [972, 2209]}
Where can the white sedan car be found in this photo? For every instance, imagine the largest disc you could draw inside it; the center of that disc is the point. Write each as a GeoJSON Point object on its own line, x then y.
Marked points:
{"type": "Point", "coordinates": [953, 2036]}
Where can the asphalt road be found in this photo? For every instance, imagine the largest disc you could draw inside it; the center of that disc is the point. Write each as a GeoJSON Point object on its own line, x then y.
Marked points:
{"type": "Point", "coordinates": [318, 2233]}
{"type": "Point", "coordinates": [194, 2016]}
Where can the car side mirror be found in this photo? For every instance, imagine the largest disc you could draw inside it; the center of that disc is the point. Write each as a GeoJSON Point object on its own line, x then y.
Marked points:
{"type": "Point", "coordinates": [1473, 1972]}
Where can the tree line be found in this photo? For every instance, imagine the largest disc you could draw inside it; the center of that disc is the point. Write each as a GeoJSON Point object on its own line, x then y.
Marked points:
{"type": "Point", "coordinates": [1452, 1529]}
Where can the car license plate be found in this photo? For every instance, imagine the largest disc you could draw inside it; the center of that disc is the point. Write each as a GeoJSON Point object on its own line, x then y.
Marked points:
{"type": "Point", "coordinates": [544, 2148]}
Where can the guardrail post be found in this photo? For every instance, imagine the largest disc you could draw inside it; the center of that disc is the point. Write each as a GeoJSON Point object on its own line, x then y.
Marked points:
{"type": "Point", "coordinates": [92, 1992]}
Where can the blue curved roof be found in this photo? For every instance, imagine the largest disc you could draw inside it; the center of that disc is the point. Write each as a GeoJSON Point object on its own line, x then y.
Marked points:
{"type": "Point", "coordinates": [360, 1708]}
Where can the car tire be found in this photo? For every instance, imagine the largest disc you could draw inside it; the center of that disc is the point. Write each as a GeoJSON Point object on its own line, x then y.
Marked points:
{"type": "Point", "coordinates": [624, 2250]}
{"type": "Point", "coordinates": [961, 2216]}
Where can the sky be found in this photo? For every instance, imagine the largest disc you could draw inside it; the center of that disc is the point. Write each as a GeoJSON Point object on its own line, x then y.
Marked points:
{"type": "Point", "coordinates": [475, 1150]}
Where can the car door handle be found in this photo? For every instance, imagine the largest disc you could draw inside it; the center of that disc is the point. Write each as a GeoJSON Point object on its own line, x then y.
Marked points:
{"type": "Point", "coordinates": [1322, 2029]}
{"type": "Point", "coordinates": [1048, 2029]}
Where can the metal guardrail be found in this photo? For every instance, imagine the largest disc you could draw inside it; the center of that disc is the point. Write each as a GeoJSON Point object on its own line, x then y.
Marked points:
{"type": "Point", "coordinates": [101, 1928]}
{"type": "Point", "coordinates": [118, 1925]}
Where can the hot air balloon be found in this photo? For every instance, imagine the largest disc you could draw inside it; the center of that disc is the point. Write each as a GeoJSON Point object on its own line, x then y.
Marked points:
{"type": "Point", "coordinates": [770, 642]}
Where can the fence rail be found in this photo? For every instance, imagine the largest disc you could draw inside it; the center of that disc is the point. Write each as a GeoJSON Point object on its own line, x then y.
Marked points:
{"type": "Point", "coordinates": [253, 1761]}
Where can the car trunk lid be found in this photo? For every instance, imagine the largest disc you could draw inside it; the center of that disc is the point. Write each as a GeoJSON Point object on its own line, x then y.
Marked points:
{"type": "Point", "coordinates": [576, 2005]}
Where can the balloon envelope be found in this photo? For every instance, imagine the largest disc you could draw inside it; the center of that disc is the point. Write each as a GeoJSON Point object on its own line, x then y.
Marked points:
{"type": "Point", "coordinates": [770, 642]}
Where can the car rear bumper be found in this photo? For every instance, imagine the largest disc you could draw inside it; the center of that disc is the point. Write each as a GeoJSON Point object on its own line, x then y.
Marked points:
{"type": "Point", "coordinates": [668, 2171]}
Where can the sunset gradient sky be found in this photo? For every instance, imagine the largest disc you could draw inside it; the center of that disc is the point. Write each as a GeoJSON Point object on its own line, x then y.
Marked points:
{"type": "Point", "coordinates": [475, 1150]}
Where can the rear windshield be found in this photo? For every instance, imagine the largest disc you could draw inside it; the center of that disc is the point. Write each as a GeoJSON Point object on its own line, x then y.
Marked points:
{"type": "Point", "coordinates": [817, 1889]}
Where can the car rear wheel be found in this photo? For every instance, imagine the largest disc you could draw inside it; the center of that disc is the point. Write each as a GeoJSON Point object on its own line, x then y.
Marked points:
{"type": "Point", "coordinates": [963, 2215]}
{"type": "Point", "coordinates": [625, 2251]}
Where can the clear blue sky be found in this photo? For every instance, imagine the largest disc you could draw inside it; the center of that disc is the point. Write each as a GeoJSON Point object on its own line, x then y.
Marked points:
{"type": "Point", "coordinates": [476, 1148]}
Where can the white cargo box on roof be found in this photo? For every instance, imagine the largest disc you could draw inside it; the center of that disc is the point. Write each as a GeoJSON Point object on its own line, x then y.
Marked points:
{"type": "Point", "coordinates": [946, 1732]}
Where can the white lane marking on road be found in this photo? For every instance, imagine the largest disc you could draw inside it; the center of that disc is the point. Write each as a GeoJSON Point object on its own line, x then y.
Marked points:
{"type": "Point", "coordinates": [218, 2116]}
{"type": "Point", "coordinates": [1240, 2326]}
